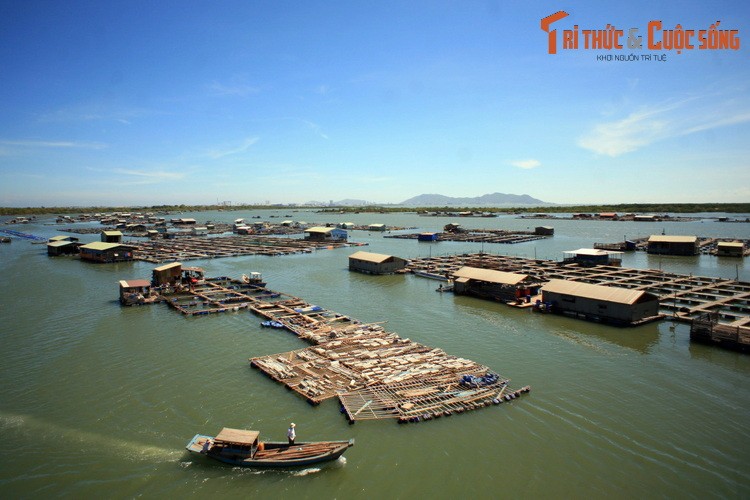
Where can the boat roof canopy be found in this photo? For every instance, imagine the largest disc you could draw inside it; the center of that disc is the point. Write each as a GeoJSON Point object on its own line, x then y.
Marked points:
{"type": "Point", "coordinates": [237, 436]}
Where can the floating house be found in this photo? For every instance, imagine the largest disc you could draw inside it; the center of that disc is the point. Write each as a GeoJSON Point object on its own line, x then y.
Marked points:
{"type": "Point", "coordinates": [174, 273]}
{"type": "Point", "coordinates": [606, 304]}
{"type": "Point", "coordinates": [346, 225]}
{"type": "Point", "coordinates": [493, 285]}
{"type": "Point", "coordinates": [427, 237]}
{"type": "Point", "coordinates": [593, 257]}
{"type": "Point", "coordinates": [184, 222]}
{"type": "Point", "coordinates": [166, 274]}
{"type": "Point", "coordinates": [673, 245]}
{"type": "Point", "coordinates": [100, 251]}
{"type": "Point", "coordinates": [544, 230]}
{"type": "Point", "coordinates": [375, 263]}
{"type": "Point", "coordinates": [730, 249]}
{"type": "Point", "coordinates": [376, 227]}
{"type": "Point", "coordinates": [134, 292]}
{"type": "Point", "coordinates": [111, 237]}
{"type": "Point", "coordinates": [199, 231]}
{"type": "Point", "coordinates": [325, 234]}
{"type": "Point", "coordinates": [62, 245]}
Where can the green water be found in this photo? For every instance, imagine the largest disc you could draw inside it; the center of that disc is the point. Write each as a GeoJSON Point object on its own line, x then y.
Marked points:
{"type": "Point", "coordinates": [97, 400]}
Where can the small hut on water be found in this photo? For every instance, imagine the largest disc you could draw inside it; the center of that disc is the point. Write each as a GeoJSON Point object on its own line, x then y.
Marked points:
{"type": "Point", "coordinates": [607, 304]}
{"type": "Point", "coordinates": [673, 245]}
{"type": "Point", "coordinates": [105, 252]}
{"type": "Point", "coordinates": [375, 263]}
{"type": "Point", "coordinates": [493, 285]}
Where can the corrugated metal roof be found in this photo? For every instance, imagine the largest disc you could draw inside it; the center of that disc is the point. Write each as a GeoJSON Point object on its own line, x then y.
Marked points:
{"type": "Point", "coordinates": [370, 257]}
{"type": "Point", "coordinates": [490, 275]}
{"type": "Point", "coordinates": [731, 244]}
{"type": "Point", "coordinates": [60, 238]}
{"type": "Point", "coordinates": [112, 233]}
{"type": "Point", "coordinates": [168, 266]}
{"type": "Point", "coordinates": [100, 246]}
{"type": "Point", "coordinates": [588, 251]}
{"type": "Point", "coordinates": [134, 283]}
{"type": "Point", "coordinates": [597, 292]}
{"type": "Point", "coordinates": [319, 229]}
{"type": "Point", "coordinates": [663, 238]}
{"type": "Point", "coordinates": [60, 243]}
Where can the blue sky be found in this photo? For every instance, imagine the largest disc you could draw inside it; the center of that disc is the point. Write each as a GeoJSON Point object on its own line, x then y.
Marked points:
{"type": "Point", "coordinates": [144, 103]}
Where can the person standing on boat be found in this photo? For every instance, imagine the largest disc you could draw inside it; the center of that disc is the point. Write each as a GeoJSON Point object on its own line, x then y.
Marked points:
{"type": "Point", "coordinates": [290, 434]}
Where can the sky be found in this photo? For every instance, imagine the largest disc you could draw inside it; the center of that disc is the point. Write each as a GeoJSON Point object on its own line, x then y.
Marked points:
{"type": "Point", "coordinates": [141, 103]}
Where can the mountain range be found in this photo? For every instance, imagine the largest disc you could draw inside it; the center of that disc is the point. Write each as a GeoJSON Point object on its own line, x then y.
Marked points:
{"type": "Point", "coordinates": [439, 200]}
{"type": "Point", "coordinates": [493, 199]}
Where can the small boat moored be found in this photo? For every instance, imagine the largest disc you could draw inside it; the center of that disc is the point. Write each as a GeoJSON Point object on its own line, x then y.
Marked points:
{"type": "Point", "coordinates": [243, 448]}
{"type": "Point", "coordinates": [254, 279]}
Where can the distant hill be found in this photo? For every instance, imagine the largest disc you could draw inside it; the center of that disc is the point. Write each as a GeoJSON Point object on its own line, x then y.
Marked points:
{"type": "Point", "coordinates": [494, 199]}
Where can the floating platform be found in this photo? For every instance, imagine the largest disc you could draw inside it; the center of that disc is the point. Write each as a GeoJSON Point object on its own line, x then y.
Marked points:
{"type": "Point", "coordinates": [681, 297]}
{"type": "Point", "coordinates": [374, 373]}
{"type": "Point", "coordinates": [181, 249]}
{"type": "Point", "coordinates": [480, 236]}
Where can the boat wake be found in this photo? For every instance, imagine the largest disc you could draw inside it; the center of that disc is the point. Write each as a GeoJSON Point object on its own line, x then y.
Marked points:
{"type": "Point", "coordinates": [305, 472]}
{"type": "Point", "coordinates": [37, 429]}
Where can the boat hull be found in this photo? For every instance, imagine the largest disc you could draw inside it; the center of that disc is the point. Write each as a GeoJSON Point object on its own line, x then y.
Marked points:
{"type": "Point", "coordinates": [333, 450]}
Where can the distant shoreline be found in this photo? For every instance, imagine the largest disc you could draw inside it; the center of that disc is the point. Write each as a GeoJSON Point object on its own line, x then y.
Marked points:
{"type": "Point", "coordinates": [649, 208]}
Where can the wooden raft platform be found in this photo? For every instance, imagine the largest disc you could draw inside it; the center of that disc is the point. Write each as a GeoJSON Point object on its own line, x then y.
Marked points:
{"type": "Point", "coordinates": [480, 236]}
{"type": "Point", "coordinates": [377, 374]}
{"type": "Point", "coordinates": [181, 249]}
{"type": "Point", "coordinates": [374, 373]}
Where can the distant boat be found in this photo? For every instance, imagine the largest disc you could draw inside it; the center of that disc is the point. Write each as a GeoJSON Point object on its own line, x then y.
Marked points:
{"type": "Point", "coordinates": [244, 449]}
{"type": "Point", "coordinates": [432, 276]}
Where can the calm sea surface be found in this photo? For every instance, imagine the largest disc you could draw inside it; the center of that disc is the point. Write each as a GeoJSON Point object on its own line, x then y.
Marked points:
{"type": "Point", "coordinates": [97, 400]}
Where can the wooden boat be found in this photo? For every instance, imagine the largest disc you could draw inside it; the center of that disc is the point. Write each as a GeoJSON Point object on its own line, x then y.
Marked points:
{"type": "Point", "coordinates": [255, 279]}
{"type": "Point", "coordinates": [244, 449]}
{"type": "Point", "coordinates": [431, 275]}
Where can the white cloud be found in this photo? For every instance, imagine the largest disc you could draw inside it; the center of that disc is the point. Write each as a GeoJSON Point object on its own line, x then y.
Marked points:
{"type": "Point", "coordinates": [154, 175]}
{"type": "Point", "coordinates": [648, 125]}
{"type": "Point", "coordinates": [216, 154]}
{"type": "Point", "coordinates": [526, 164]}
{"type": "Point", "coordinates": [53, 144]}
